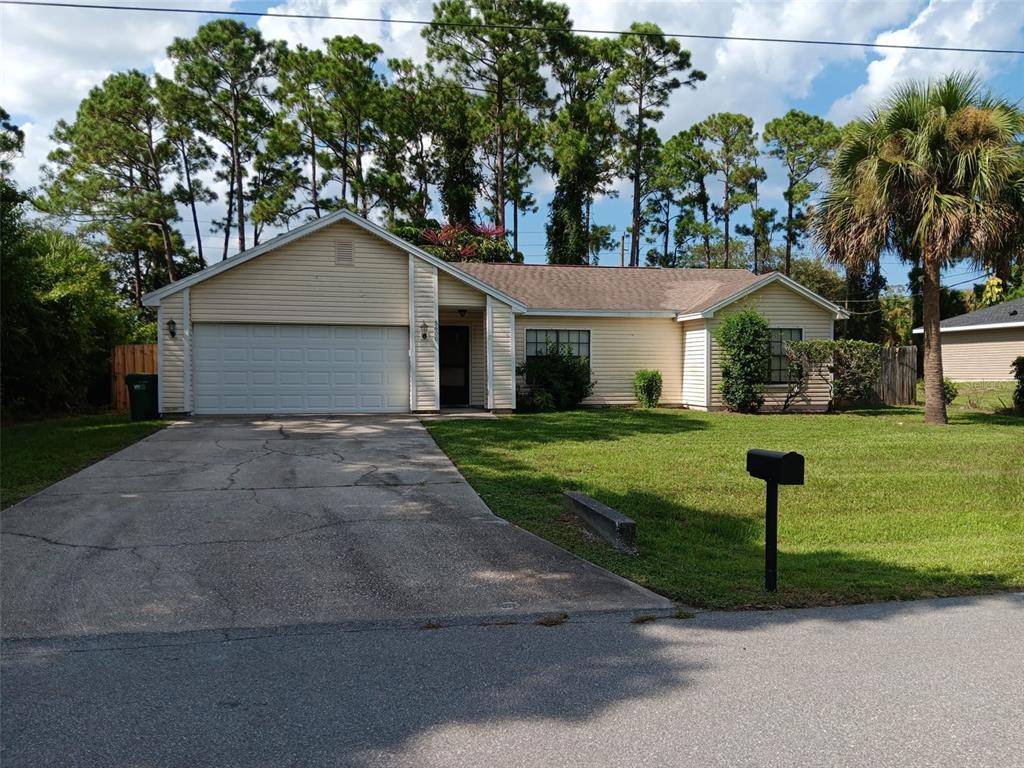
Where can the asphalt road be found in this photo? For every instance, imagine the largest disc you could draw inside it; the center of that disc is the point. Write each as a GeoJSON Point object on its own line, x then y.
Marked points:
{"type": "Point", "coordinates": [929, 683]}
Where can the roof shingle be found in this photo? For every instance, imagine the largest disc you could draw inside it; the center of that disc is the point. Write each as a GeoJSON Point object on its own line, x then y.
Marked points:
{"type": "Point", "coordinates": [1008, 312]}
{"type": "Point", "coordinates": [561, 287]}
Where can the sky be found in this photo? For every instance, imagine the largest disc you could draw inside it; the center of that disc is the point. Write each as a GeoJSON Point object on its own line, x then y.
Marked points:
{"type": "Point", "coordinates": [53, 56]}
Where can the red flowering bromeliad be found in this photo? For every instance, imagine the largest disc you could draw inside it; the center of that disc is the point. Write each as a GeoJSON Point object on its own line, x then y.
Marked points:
{"type": "Point", "coordinates": [461, 242]}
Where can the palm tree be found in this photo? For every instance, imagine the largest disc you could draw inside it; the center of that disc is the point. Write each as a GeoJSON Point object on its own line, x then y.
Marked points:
{"type": "Point", "coordinates": [932, 174]}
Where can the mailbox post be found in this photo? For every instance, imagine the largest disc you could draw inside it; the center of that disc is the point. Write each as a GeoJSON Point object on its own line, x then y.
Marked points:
{"type": "Point", "coordinates": [775, 468]}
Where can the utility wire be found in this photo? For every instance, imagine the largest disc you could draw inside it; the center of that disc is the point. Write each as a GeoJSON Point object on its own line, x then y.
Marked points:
{"type": "Point", "coordinates": [474, 25]}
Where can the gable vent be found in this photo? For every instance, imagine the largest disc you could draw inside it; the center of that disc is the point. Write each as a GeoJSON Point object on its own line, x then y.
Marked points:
{"type": "Point", "coordinates": [343, 253]}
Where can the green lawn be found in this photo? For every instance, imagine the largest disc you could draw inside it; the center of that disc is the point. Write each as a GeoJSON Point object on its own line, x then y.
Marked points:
{"type": "Point", "coordinates": [35, 454]}
{"type": "Point", "coordinates": [892, 508]}
{"type": "Point", "coordinates": [974, 396]}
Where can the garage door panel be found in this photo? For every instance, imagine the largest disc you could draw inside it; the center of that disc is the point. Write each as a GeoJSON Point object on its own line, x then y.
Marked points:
{"type": "Point", "coordinates": [300, 369]}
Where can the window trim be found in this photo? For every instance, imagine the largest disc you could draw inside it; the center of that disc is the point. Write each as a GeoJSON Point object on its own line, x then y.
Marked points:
{"type": "Point", "coordinates": [769, 382]}
{"type": "Point", "coordinates": [590, 332]}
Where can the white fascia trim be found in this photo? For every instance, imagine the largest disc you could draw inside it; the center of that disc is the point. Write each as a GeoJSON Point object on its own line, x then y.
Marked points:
{"type": "Point", "coordinates": [159, 358]}
{"type": "Point", "coordinates": [412, 334]}
{"type": "Point", "coordinates": [436, 333]}
{"type": "Point", "coordinates": [774, 277]}
{"type": "Point", "coordinates": [1019, 324]}
{"type": "Point", "coordinates": [153, 298]}
{"type": "Point", "coordinates": [533, 312]}
{"type": "Point", "coordinates": [186, 318]}
{"type": "Point", "coordinates": [489, 346]}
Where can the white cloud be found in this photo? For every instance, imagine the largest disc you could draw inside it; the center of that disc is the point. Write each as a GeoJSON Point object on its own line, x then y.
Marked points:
{"type": "Point", "coordinates": [981, 24]}
{"type": "Point", "coordinates": [54, 56]}
{"type": "Point", "coordinates": [397, 40]}
{"type": "Point", "coordinates": [61, 54]}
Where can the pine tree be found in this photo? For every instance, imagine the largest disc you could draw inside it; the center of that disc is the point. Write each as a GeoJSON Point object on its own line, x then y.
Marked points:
{"type": "Point", "coordinates": [804, 144]}
{"type": "Point", "coordinates": [495, 49]}
{"type": "Point", "coordinates": [582, 136]}
{"type": "Point", "coordinates": [646, 75]}
{"type": "Point", "coordinates": [227, 66]}
{"type": "Point", "coordinates": [731, 142]}
{"type": "Point", "coordinates": [110, 172]}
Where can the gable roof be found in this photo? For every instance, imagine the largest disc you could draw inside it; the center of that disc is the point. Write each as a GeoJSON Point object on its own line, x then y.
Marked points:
{"type": "Point", "coordinates": [153, 298]}
{"type": "Point", "coordinates": [550, 289]}
{"type": "Point", "coordinates": [1009, 314]}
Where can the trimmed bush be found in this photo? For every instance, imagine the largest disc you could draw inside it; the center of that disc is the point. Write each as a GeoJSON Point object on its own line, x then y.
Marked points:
{"type": "Point", "coordinates": [949, 391]}
{"type": "Point", "coordinates": [746, 354]}
{"type": "Point", "coordinates": [557, 381]}
{"type": "Point", "coordinates": [647, 387]}
{"type": "Point", "coordinates": [850, 369]}
{"type": "Point", "coordinates": [1017, 366]}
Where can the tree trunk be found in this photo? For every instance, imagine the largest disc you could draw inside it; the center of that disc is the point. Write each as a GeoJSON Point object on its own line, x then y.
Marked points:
{"type": "Point", "coordinates": [192, 201]}
{"type": "Point", "coordinates": [165, 236]}
{"type": "Point", "coordinates": [230, 212]}
{"type": "Point", "coordinates": [137, 278]}
{"type": "Point", "coordinates": [934, 403]}
{"type": "Point", "coordinates": [634, 241]}
{"type": "Point", "coordinates": [314, 196]}
{"type": "Point", "coordinates": [499, 161]}
{"type": "Point", "coordinates": [789, 228]}
{"type": "Point", "coordinates": [668, 223]}
{"type": "Point", "coordinates": [725, 215]}
{"type": "Point", "coordinates": [236, 161]}
{"type": "Point", "coordinates": [706, 215]}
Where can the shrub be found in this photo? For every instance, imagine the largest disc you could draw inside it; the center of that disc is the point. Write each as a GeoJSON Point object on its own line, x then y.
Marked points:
{"type": "Point", "coordinates": [949, 391]}
{"type": "Point", "coordinates": [1017, 366]}
{"type": "Point", "coordinates": [850, 368]}
{"type": "Point", "coordinates": [647, 387]}
{"type": "Point", "coordinates": [856, 368]}
{"type": "Point", "coordinates": [745, 343]}
{"type": "Point", "coordinates": [557, 380]}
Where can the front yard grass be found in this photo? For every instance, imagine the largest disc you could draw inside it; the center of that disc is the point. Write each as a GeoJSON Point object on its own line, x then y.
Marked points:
{"type": "Point", "coordinates": [35, 454]}
{"type": "Point", "coordinates": [891, 509]}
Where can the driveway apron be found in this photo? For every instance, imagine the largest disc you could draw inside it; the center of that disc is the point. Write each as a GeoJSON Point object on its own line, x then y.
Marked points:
{"type": "Point", "coordinates": [227, 524]}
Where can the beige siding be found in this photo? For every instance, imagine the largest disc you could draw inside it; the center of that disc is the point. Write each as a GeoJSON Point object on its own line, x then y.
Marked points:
{"type": "Point", "coordinates": [301, 283]}
{"type": "Point", "coordinates": [456, 294]}
{"type": "Point", "coordinates": [618, 347]}
{"type": "Point", "coordinates": [981, 355]}
{"type": "Point", "coordinates": [477, 351]}
{"type": "Point", "coordinates": [425, 350]}
{"type": "Point", "coordinates": [695, 348]}
{"type": "Point", "coordinates": [784, 308]}
{"type": "Point", "coordinates": [503, 350]}
{"type": "Point", "coordinates": [172, 356]}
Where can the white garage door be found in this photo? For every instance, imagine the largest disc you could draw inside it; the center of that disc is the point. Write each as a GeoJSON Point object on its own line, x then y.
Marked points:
{"type": "Point", "coordinates": [300, 368]}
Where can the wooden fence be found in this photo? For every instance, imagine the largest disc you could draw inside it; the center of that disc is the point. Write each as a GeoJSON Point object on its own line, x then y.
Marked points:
{"type": "Point", "coordinates": [125, 359]}
{"type": "Point", "coordinates": [897, 384]}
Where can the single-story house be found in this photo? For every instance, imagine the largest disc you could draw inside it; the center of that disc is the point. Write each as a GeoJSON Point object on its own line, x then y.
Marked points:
{"type": "Point", "coordinates": [342, 316]}
{"type": "Point", "coordinates": [980, 345]}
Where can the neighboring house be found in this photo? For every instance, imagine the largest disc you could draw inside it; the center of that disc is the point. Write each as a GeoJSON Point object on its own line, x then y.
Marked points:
{"type": "Point", "coordinates": [980, 346]}
{"type": "Point", "coordinates": [341, 316]}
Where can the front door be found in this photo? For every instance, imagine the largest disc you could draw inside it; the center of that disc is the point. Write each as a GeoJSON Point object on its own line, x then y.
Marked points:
{"type": "Point", "coordinates": [454, 364]}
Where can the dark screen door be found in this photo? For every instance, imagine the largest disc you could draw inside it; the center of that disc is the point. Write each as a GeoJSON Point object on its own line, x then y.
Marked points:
{"type": "Point", "coordinates": [454, 364]}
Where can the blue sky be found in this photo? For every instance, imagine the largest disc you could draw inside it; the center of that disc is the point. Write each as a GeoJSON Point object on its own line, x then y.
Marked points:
{"type": "Point", "coordinates": [61, 53]}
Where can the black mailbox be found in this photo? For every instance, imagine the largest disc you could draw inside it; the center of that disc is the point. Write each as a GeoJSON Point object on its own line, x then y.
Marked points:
{"type": "Point", "coordinates": [775, 466]}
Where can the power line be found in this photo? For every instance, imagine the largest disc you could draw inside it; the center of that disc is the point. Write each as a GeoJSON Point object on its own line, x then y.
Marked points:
{"type": "Point", "coordinates": [472, 25]}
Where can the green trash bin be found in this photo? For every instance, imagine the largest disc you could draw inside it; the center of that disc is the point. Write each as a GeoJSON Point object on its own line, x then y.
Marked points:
{"type": "Point", "coordinates": [142, 396]}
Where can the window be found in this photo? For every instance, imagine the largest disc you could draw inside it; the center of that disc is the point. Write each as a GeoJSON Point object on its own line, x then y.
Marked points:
{"type": "Point", "coordinates": [779, 365]}
{"type": "Point", "coordinates": [537, 341]}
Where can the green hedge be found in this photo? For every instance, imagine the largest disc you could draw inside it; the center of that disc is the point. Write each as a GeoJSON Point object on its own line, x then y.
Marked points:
{"type": "Point", "coordinates": [647, 387]}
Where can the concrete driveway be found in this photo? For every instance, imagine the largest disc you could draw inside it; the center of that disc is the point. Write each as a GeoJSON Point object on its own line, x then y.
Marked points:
{"type": "Point", "coordinates": [241, 524]}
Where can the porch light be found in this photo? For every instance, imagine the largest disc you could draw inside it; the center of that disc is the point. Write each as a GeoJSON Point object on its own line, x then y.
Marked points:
{"type": "Point", "coordinates": [424, 331]}
{"type": "Point", "coordinates": [172, 328]}
{"type": "Point", "coordinates": [462, 313]}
